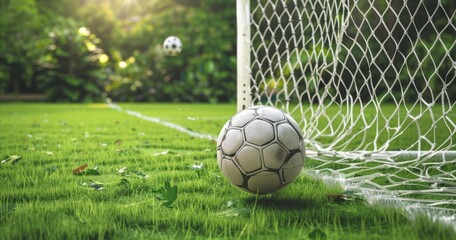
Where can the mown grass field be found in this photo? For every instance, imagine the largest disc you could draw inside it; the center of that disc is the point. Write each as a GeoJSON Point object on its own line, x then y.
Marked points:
{"type": "Point", "coordinates": [146, 181]}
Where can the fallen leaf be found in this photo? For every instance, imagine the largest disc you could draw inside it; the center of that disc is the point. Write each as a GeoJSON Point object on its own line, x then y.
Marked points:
{"type": "Point", "coordinates": [52, 169]}
{"type": "Point", "coordinates": [345, 197]}
{"type": "Point", "coordinates": [124, 182]}
{"type": "Point", "coordinates": [236, 212]}
{"type": "Point", "coordinates": [231, 203]}
{"type": "Point", "coordinates": [95, 185]}
{"type": "Point", "coordinates": [11, 158]}
{"type": "Point", "coordinates": [167, 194]}
{"type": "Point", "coordinates": [92, 171]}
{"type": "Point", "coordinates": [197, 166]}
{"type": "Point", "coordinates": [164, 153]}
{"type": "Point", "coordinates": [140, 174]}
{"type": "Point", "coordinates": [122, 171]}
{"type": "Point", "coordinates": [79, 169]}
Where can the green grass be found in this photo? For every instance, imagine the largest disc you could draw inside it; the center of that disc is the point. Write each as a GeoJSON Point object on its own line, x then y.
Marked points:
{"type": "Point", "coordinates": [42, 199]}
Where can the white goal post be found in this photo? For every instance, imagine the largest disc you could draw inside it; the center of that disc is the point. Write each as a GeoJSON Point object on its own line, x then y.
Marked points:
{"type": "Point", "coordinates": [372, 84]}
{"type": "Point", "coordinates": [243, 54]}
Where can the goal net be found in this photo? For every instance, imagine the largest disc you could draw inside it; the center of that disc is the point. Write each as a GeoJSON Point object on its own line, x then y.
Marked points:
{"type": "Point", "coordinates": [371, 82]}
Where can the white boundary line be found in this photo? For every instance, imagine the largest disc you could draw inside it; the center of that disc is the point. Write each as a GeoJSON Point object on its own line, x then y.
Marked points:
{"type": "Point", "coordinates": [164, 123]}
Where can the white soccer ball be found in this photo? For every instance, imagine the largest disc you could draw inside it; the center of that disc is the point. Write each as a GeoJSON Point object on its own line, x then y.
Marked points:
{"type": "Point", "coordinates": [172, 46]}
{"type": "Point", "coordinates": [260, 150]}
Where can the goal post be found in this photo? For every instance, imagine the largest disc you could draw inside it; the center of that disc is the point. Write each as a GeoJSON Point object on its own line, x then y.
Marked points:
{"type": "Point", "coordinates": [243, 54]}
{"type": "Point", "coordinates": [371, 83]}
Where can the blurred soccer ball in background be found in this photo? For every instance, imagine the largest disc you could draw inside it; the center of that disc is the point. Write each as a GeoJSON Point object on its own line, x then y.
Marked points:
{"type": "Point", "coordinates": [172, 46]}
{"type": "Point", "coordinates": [261, 150]}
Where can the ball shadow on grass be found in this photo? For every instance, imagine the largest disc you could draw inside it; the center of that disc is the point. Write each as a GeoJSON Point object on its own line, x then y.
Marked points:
{"type": "Point", "coordinates": [282, 203]}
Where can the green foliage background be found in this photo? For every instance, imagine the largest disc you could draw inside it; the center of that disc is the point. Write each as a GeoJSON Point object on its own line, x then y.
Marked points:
{"type": "Point", "coordinates": [130, 33]}
{"type": "Point", "coordinates": [42, 51]}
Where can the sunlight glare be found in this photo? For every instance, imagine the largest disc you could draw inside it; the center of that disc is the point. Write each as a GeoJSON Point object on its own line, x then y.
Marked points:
{"type": "Point", "coordinates": [128, 3]}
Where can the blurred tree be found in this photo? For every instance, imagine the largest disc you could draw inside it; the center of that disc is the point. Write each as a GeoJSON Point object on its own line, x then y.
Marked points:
{"type": "Point", "coordinates": [53, 8]}
{"type": "Point", "coordinates": [206, 68]}
{"type": "Point", "coordinates": [21, 44]}
{"type": "Point", "coordinates": [131, 33]}
{"type": "Point", "coordinates": [101, 20]}
{"type": "Point", "coordinates": [72, 70]}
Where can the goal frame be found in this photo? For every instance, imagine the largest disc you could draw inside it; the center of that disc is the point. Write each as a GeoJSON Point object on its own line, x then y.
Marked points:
{"type": "Point", "coordinates": [361, 148]}
{"type": "Point", "coordinates": [244, 97]}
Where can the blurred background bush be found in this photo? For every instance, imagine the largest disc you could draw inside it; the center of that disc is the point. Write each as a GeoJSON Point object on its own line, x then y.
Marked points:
{"type": "Point", "coordinates": [87, 50]}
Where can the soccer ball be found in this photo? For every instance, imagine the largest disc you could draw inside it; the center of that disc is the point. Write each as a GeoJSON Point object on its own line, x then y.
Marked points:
{"type": "Point", "coordinates": [172, 46]}
{"type": "Point", "coordinates": [260, 150]}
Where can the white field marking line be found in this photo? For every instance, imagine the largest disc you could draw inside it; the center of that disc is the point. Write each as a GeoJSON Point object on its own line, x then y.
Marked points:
{"type": "Point", "coordinates": [164, 123]}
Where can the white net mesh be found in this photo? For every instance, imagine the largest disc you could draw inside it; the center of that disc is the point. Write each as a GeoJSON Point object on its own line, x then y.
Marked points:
{"type": "Point", "coordinates": [372, 83]}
